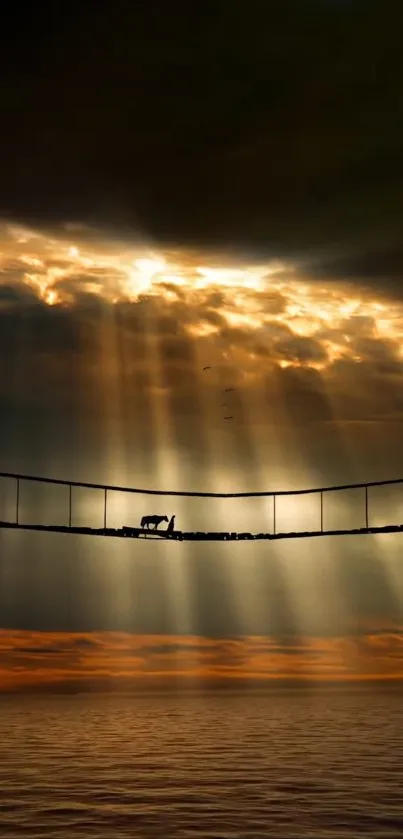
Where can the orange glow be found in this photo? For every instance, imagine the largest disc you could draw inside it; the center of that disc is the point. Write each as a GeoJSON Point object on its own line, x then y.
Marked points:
{"type": "Point", "coordinates": [35, 659]}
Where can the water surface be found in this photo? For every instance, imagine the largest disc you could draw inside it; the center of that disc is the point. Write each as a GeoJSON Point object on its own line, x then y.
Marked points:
{"type": "Point", "coordinates": [223, 767]}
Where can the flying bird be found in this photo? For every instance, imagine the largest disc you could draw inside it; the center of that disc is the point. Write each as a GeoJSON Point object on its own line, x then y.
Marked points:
{"type": "Point", "coordinates": [229, 390]}
{"type": "Point", "coordinates": [228, 418]}
{"type": "Point", "coordinates": [205, 369]}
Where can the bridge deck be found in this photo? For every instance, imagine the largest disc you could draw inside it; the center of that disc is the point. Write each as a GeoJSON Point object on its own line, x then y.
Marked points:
{"type": "Point", "coordinates": [181, 536]}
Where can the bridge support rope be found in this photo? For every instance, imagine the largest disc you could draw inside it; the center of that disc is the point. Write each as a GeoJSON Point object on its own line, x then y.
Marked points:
{"type": "Point", "coordinates": [130, 532]}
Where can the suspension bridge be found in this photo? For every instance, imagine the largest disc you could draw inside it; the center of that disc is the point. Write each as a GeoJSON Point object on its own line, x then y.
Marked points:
{"type": "Point", "coordinates": [366, 525]}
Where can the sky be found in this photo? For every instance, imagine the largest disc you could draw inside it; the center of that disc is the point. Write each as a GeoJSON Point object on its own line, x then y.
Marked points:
{"type": "Point", "coordinates": [183, 189]}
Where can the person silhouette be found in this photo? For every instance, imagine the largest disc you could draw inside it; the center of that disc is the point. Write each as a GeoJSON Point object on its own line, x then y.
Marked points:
{"type": "Point", "coordinates": [171, 525]}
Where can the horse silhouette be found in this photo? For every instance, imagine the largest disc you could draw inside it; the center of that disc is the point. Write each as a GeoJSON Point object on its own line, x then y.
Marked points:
{"type": "Point", "coordinates": [155, 520]}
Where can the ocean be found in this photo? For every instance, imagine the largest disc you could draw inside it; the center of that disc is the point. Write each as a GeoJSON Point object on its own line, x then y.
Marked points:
{"type": "Point", "coordinates": [217, 766]}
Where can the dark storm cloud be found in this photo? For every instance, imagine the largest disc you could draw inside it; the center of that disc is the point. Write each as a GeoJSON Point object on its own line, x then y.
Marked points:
{"type": "Point", "coordinates": [277, 125]}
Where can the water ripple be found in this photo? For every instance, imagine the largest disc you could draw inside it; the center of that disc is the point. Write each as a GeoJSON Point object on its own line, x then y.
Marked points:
{"type": "Point", "coordinates": [218, 767]}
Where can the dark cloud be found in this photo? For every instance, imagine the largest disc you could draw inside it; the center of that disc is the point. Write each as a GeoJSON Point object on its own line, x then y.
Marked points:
{"type": "Point", "coordinates": [300, 349]}
{"type": "Point", "coordinates": [271, 126]}
{"type": "Point", "coordinates": [14, 292]}
{"type": "Point", "coordinates": [375, 267]}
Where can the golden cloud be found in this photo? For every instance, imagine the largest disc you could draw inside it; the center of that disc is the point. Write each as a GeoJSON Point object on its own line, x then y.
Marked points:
{"type": "Point", "coordinates": [265, 311]}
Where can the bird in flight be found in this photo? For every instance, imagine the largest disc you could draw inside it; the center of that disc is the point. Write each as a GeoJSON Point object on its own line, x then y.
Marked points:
{"type": "Point", "coordinates": [228, 418]}
{"type": "Point", "coordinates": [205, 369]}
{"type": "Point", "coordinates": [229, 390]}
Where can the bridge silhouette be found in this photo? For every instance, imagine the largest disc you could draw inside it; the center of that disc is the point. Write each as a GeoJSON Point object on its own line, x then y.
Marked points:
{"type": "Point", "coordinates": [127, 531]}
